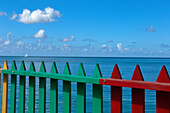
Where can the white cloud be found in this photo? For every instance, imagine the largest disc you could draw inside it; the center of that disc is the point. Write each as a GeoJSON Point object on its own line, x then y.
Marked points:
{"type": "Point", "coordinates": [14, 16]}
{"type": "Point", "coordinates": [39, 16]}
{"type": "Point", "coordinates": [7, 42]}
{"type": "Point", "coordinates": [106, 48]}
{"type": "Point", "coordinates": [40, 34]}
{"type": "Point", "coordinates": [65, 47]}
{"type": "Point", "coordinates": [72, 38]}
{"type": "Point", "coordinates": [88, 47]}
{"type": "Point", "coordinates": [9, 35]}
{"type": "Point", "coordinates": [20, 42]}
{"type": "Point", "coordinates": [3, 13]}
{"type": "Point", "coordinates": [104, 45]}
{"type": "Point", "coordinates": [119, 46]}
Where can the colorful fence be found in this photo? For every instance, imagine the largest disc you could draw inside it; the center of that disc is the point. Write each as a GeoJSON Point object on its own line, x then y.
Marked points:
{"type": "Point", "coordinates": [138, 85]}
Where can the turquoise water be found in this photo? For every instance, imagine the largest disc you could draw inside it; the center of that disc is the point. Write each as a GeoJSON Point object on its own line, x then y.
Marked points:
{"type": "Point", "coordinates": [150, 68]}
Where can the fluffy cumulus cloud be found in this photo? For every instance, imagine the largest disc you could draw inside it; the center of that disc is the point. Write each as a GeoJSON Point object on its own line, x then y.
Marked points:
{"type": "Point", "coordinates": [3, 13]}
{"type": "Point", "coordinates": [40, 34]}
{"type": "Point", "coordinates": [72, 38]}
{"type": "Point", "coordinates": [38, 16]}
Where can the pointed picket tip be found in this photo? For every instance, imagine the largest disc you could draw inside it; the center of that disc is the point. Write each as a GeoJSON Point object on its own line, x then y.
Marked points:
{"type": "Point", "coordinates": [22, 67]}
{"type": "Point", "coordinates": [5, 65]}
{"type": "Point", "coordinates": [116, 73]}
{"type": "Point", "coordinates": [67, 69]}
{"type": "Point", "coordinates": [54, 68]}
{"type": "Point", "coordinates": [42, 67]}
{"type": "Point", "coordinates": [137, 75]}
{"type": "Point", "coordinates": [32, 67]}
{"type": "Point", "coordinates": [81, 71]}
{"type": "Point", "coordinates": [14, 67]}
{"type": "Point", "coordinates": [163, 75]}
{"type": "Point", "coordinates": [97, 72]}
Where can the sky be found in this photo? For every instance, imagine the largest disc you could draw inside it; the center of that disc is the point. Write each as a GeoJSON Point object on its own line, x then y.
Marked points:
{"type": "Point", "coordinates": [102, 28]}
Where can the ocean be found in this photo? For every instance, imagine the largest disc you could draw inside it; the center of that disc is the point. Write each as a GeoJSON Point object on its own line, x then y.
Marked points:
{"type": "Point", "coordinates": [150, 68]}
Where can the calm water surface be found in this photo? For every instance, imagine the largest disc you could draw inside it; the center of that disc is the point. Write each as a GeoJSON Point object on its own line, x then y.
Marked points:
{"type": "Point", "coordinates": [150, 69]}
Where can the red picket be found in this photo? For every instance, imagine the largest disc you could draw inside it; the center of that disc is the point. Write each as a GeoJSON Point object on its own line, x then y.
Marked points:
{"type": "Point", "coordinates": [116, 92]}
{"type": "Point", "coordinates": [138, 95]}
{"type": "Point", "coordinates": [162, 98]}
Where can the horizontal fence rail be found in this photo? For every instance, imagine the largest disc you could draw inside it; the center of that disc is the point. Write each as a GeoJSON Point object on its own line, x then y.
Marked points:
{"type": "Point", "coordinates": [137, 84]}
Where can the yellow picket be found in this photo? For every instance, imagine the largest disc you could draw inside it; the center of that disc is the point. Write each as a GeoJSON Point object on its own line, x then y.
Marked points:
{"type": "Point", "coordinates": [5, 89]}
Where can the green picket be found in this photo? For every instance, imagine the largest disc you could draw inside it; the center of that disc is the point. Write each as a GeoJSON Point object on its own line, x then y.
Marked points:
{"type": "Point", "coordinates": [81, 92]}
{"type": "Point", "coordinates": [67, 91]}
{"type": "Point", "coordinates": [31, 102]}
{"type": "Point", "coordinates": [81, 89]}
{"type": "Point", "coordinates": [13, 89]}
{"type": "Point", "coordinates": [97, 92]}
{"type": "Point", "coordinates": [54, 91]}
{"type": "Point", "coordinates": [42, 91]}
{"type": "Point", "coordinates": [22, 90]}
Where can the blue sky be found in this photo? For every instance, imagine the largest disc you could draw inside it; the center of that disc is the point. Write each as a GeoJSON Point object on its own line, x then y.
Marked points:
{"type": "Point", "coordinates": [85, 28]}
